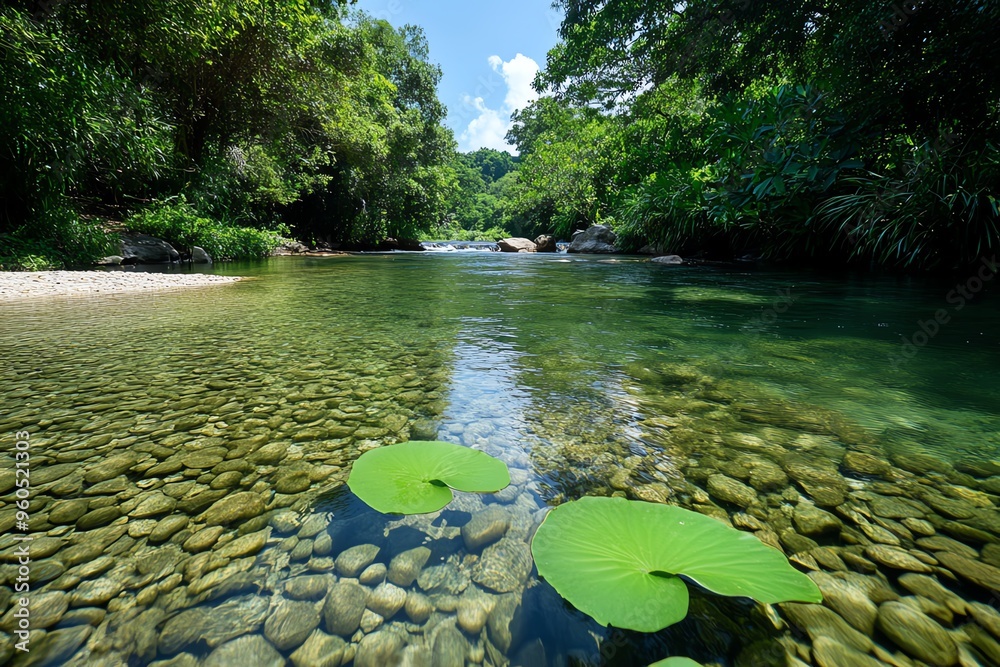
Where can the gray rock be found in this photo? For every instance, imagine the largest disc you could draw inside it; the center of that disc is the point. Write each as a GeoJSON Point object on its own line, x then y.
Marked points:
{"type": "Point", "coordinates": [110, 260]}
{"type": "Point", "coordinates": [143, 249]}
{"type": "Point", "coordinates": [290, 623]}
{"type": "Point", "coordinates": [200, 256]}
{"type": "Point", "coordinates": [353, 561]}
{"type": "Point", "coordinates": [546, 243]}
{"type": "Point", "coordinates": [406, 566]}
{"type": "Point", "coordinates": [669, 260]}
{"type": "Point", "coordinates": [917, 634]}
{"type": "Point", "coordinates": [485, 527]}
{"type": "Point", "coordinates": [599, 239]}
{"type": "Point", "coordinates": [516, 245]}
{"type": "Point", "coordinates": [247, 651]}
{"type": "Point", "coordinates": [345, 605]}
{"type": "Point", "coordinates": [320, 650]}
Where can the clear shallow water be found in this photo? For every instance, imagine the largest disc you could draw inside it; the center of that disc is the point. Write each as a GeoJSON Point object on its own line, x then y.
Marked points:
{"type": "Point", "coordinates": [587, 375]}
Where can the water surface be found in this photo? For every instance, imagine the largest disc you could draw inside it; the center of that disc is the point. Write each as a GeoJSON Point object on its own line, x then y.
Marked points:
{"type": "Point", "coordinates": [587, 375]}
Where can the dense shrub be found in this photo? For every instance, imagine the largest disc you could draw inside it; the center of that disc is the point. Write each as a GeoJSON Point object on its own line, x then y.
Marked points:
{"type": "Point", "coordinates": [178, 223]}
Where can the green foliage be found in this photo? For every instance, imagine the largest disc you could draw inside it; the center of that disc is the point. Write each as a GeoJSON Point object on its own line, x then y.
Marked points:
{"type": "Point", "coordinates": [256, 112]}
{"type": "Point", "coordinates": [676, 662]}
{"type": "Point", "coordinates": [795, 130]}
{"type": "Point", "coordinates": [417, 477]}
{"type": "Point", "coordinates": [620, 561]}
{"type": "Point", "coordinates": [58, 238]}
{"type": "Point", "coordinates": [178, 223]}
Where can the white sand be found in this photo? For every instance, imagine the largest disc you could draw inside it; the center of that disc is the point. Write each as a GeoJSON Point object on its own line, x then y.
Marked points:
{"type": "Point", "coordinates": [17, 286]}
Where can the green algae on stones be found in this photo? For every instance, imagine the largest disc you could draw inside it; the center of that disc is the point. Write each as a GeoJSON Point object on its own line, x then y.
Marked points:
{"type": "Point", "coordinates": [620, 562]}
{"type": "Point", "coordinates": [417, 477]}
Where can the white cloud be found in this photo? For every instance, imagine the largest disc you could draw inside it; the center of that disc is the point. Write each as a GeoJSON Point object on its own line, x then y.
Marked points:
{"type": "Point", "coordinates": [490, 126]}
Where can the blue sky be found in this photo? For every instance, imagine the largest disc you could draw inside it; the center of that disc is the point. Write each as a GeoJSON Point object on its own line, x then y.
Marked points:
{"type": "Point", "coordinates": [489, 52]}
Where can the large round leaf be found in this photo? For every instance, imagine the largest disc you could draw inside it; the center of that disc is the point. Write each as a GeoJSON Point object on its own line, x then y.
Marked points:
{"type": "Point", "coordinates": [616, 560]}
{"type": "Point", "coordinates": [413, 477]}
{"type": "Point", "coordinates": [676, 662]}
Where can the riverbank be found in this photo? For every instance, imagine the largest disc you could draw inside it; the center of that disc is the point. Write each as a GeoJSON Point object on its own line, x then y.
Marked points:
{"type": "Point", "coordinates": [41, 284]}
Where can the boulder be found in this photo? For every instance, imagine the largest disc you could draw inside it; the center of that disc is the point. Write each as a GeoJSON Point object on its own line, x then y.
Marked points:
{"type": "Point", "coordinates": [599, 239]}
{"type": "Point", "coordinates": [200, 256]}
{"type": "Point", "coordinates": [516, 245]}
{"type": "Point", "coordinates": [110, 260]}
{"type": "Point", "coordinates": [672, 260]}
{"type": "Point", "coordinates": [143, 249]}
{"type": "Point", "coordinates": [546, 243]}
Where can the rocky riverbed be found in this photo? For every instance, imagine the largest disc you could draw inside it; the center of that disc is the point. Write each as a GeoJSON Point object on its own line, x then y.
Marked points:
{"type": "Point", "coordinates": [189, 505]}
{"type": "Point", "coordinates": [42, 284]}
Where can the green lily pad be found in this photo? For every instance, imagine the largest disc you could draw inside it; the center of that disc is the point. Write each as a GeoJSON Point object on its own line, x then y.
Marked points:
{"type": "Point", "coordinates": [676, 662]}
{"type": "Point", "coordinates": [414, 477]}
{"type": "Point", "coordinates": [617, 560]}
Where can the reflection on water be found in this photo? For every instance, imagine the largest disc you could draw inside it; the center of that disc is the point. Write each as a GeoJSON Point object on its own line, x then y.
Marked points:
{"type": "Point", "coordinates": [189, 452]}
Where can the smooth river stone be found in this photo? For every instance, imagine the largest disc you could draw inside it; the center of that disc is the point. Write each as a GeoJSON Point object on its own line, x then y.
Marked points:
{"type": "Point", "coordinates": [917, 634]}
{"type": "Point", "coordinates": [732, 491]}
{"type": "Point", "coordinates": [818, 621]}
{"type": "Point", "coordinates": [930, 588]}
{"type": "Point", "coordinates": [379, 649]}
{"type": "Point", "coordinates": [167, 527]}
{"type": "Point", "coordinates": [406, 566]}
{"type": "Point", "coordinates": [226, 480]}
{"type": "Point", "coordinates": [236, 507]}
{"type": "Point", "coordinates": [247, 545]}
{"type": "Point", "coordinates": [47, 609]}
{"type": "Point", "coordinates": [812, 521]}
{"type": "Point", "coordinates": [866, 464]}
{"type": "Point", "coordinates": [309, 587]}
{"type": "Point", "coordinates": [246, 651]}
{"type": "Point", "coordinates": [59, 646]}
{"type": "Point", "coordinates": [848, 600]}
{"type": "Point", "coordinates": [975, 571]}
{"type": "Point", "coordinates": [386, 600]}
{"type": "Point", "coordinates": [896, 558]}
{"type": "Point", "coordinates": [344, 607]}
{"type": "Point", "coordinates": [450, 647]}
{"type": "Point", "coordinates": [829, 653]}
{"type": "Point", "coordinates": [67, 512]}
{"type": "Point", "coordinates": [418, 607]}
{"type": "Point", "coordinates": [152, 505]}
{"type": "Point", "coordinates": [353, 561]}
{"type": "Point", "coordinates": [373, 575]}
{"type": "Point", "coordinates": [98, 518]}
{"type": "Point", "coordinates": [110, 468]}
{"type": "Point", "coordinates": [203, 539]}
{"type": "Point", "coordinates": [290, 623]}
{"type": "Point", "coordinates": [485, 527]}
{"type": "Point", "coordinates": [320, 650]}
{"type": "Point", "coordinates": [504, 566]}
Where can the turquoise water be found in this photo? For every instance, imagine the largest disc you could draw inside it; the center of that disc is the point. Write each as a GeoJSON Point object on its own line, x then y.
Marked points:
{"type": "Point", "coordinates": [587, 375]}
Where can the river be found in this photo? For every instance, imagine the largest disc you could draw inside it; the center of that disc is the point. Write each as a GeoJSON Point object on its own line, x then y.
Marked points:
{"type": "Point", "coordinates": [188, 452]}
